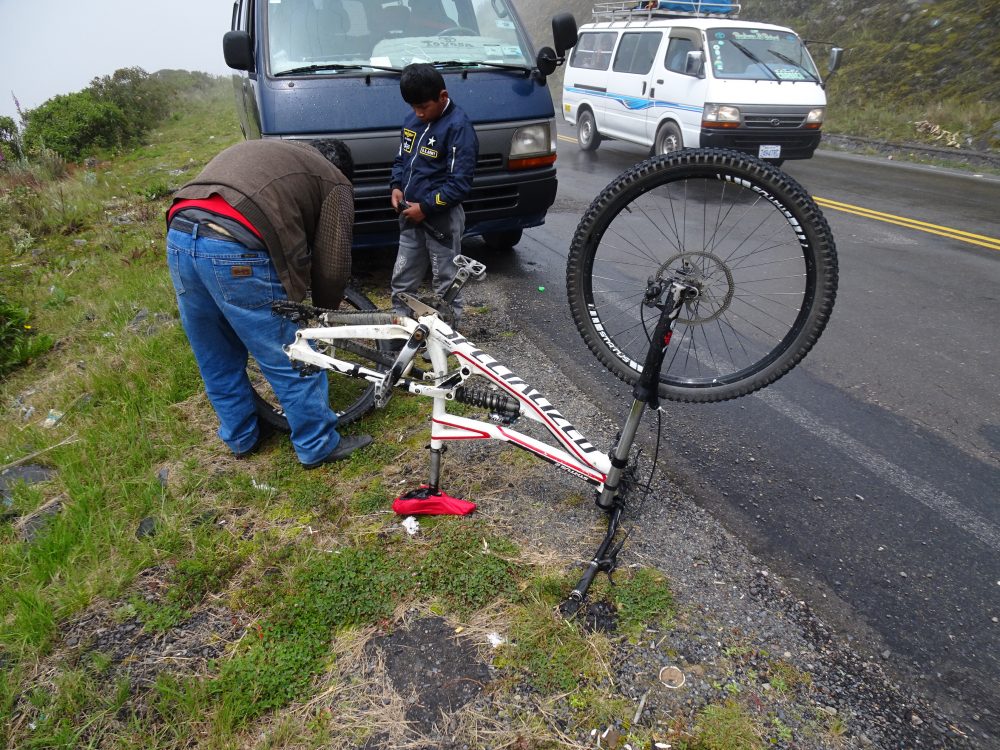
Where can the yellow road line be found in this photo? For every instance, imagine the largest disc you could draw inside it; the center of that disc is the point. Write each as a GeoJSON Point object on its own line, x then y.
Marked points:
{"type": "Point", "coordinates": [992, 243]}
{"type": "Point", "coordinates": [922, 226]}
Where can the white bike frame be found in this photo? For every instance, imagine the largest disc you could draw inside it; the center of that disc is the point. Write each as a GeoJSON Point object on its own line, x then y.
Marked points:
{"type": "Point", "coordinates": [574, 453]}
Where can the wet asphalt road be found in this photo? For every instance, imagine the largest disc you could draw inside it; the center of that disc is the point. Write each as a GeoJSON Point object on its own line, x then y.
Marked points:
{"type": "Point", "coordinates": [870, 476]}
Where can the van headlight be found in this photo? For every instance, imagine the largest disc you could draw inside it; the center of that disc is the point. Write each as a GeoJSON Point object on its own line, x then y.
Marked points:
{"type": "Point", "coordinates": [532, 146]}
{"type": "Point", "coordinates": [531, 140]}
{"type": "Point", "coordinates": [815, 117]}
{"type": "Point", "coordinates": [720, 116]}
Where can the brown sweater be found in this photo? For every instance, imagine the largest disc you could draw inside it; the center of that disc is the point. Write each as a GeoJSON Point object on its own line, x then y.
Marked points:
{"type": "Point", "coordinates": [300, 203]}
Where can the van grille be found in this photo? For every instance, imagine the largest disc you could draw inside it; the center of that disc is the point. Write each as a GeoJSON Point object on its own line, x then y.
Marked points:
{"type": "Point", "coordinates": [373, 209]}
{"type": "Point", "coordinates": [381, 172]}
{"type": "Point", "coordinates": [786, 121]}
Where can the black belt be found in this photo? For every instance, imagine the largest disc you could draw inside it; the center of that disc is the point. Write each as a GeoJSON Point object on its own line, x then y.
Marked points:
{"type": "Point", "coordinates": [208, 231]}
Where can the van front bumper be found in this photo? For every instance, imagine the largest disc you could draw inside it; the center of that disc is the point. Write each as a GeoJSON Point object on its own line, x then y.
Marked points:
{"type": "Point", "coordinates": [795, 144]}
{"type": "Point", "coordinates": [499, 201]}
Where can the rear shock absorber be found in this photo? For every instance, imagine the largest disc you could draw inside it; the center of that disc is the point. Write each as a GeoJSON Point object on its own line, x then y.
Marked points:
{"type": "Point", "coordinates": [503, 406]}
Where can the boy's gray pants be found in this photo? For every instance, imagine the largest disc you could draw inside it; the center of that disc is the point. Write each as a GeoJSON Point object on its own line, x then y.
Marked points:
{"type": "Point", "coordinates": [417, 249]}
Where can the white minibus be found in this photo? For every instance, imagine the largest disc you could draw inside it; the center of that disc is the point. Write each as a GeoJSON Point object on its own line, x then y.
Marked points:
{"type": "Point", "coordinates": [678, 74]}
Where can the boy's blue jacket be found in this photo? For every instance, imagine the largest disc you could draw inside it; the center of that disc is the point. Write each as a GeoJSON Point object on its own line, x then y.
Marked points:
{"type": "Point", "coordinates": [436, 161]}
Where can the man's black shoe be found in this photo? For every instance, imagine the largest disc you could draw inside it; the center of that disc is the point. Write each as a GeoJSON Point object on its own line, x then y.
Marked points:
{"type": "Point", "coordinates": [264, 431]}
{"type": "Point", "coordinates": [347, 445]}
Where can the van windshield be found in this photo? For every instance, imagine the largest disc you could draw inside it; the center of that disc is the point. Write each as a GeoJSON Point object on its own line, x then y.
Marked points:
{"type": "Point", "coordinates": [305, 34]}
{"type": "Point", "coordinates": [760, 54]}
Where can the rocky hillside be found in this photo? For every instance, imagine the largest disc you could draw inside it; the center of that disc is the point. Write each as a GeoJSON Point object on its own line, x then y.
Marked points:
{"type": "Point", "coordinates": [904, 62]}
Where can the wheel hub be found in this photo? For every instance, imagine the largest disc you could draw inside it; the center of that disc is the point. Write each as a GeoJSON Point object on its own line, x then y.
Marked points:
{"type": "Point", "coordinates": [711, 276]}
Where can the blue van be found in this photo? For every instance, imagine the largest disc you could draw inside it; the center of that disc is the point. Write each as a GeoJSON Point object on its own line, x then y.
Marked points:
{"type": "Point", "coordinates": [330, 68]}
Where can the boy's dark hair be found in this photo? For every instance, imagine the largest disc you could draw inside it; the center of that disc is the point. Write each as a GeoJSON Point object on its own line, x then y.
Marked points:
{"type": "Point", "coordinates": [337, 153]}
{"type": "Point", "coordinates": [420, 82]}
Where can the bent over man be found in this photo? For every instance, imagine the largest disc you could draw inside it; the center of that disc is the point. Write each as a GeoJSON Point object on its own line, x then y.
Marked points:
{"type": "Point", "coordinates": [266, 220]}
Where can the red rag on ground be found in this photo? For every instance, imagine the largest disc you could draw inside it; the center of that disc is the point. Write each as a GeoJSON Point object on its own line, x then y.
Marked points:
{"type": "Point", "coordinates": [421, 503]}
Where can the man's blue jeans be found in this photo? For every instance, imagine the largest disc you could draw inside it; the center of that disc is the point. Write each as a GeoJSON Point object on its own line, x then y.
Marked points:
{"type": "Point", "coordinates": [224, 294]}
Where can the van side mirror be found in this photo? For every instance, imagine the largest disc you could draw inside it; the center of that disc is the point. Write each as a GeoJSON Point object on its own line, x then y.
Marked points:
{"type": "Point", "coordinates": [547, 61]}
{"type": "Point", "coordinates": [694, 64]}
{"type": "Point", "coordinates": [835, 54]}
{"type": "Point", "coordinates": [237, 49]}
{"type": "Point", "coordinates": [563, 32]}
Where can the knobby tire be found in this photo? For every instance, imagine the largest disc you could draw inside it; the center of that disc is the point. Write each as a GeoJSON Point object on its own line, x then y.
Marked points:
{"type": "Point", "coordinates": [747, 234]}
{"type": "Point", "coordinates": [351, 398]}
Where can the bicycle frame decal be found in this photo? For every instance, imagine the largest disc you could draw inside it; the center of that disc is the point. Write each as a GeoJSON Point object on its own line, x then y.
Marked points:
{"type": "Point", "coordinates": [582, 460]}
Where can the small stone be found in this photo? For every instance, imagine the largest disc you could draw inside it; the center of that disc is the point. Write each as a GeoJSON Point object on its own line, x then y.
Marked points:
{"type": "Point", "coordinates": [886, 654]}
{"type": "Point", "coordinates": [147, 527]}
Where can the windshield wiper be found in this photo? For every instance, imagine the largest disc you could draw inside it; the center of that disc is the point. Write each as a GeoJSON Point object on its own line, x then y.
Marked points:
{"type": "Point", "coordinates": [474, 63]}
{"type": "Point", "coordinates": [317, 67]}
{"type": "Point", "coordinates": [790, 61]}
{"type": "Point", "coordinates": [754, 57]}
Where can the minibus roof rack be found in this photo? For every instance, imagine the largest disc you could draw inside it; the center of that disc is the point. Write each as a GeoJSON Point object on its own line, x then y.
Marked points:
{"type": "Point", "coordinates": [643, 10]}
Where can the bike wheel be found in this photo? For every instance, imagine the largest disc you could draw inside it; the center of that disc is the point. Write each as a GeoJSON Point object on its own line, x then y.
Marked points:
{"type": "Point", "coordinates": [746, 234]}
{"type": "Point", "coordinates": [351, 398]}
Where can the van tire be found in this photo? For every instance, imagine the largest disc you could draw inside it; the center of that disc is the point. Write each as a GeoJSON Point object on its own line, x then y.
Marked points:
{"type": "Point", "coordinates": [587, 134]}
{"type": "Point", "coordinates": [502, 241]}
{"type": "Point", "coordinates": [668, 139]}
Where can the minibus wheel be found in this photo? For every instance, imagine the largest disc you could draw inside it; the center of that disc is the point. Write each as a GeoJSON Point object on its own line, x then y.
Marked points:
{"type": "Point", "coordinates": [587, 134]}
{"type": "Point", "coordinates": [668, 139]}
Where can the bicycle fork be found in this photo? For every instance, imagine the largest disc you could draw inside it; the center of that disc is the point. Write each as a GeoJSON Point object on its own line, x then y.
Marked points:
{"type": "Point", "coordinates": [669, 297]}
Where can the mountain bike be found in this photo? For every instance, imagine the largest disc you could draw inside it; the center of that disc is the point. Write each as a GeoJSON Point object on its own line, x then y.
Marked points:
{"type": "Point", "coordinates": [698, 276]}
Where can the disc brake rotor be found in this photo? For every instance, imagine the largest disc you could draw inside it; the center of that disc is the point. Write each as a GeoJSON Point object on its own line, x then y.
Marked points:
{"type": "Point", "coordinates": [713, 279]}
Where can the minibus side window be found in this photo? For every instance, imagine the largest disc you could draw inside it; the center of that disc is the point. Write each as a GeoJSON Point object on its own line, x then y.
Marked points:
{"type": "Point", "coordinates": [593, 51]}
{"type": "Point", "coordinates": [637, 52]}
{"type": "Point", "coordinates": [676, 57]}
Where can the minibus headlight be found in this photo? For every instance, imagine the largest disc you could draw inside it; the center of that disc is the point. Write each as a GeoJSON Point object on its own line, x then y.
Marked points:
{"type": "Point", "coordinates": [532, 146]}
{"type": "Point", "coordinates": [720, 116]}
{"type": "Point", "coordinates": [815, 117]}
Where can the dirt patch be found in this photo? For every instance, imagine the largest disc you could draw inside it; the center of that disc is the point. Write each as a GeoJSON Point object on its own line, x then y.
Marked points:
{"type": "Point", "coordinates": [135, 651]}
{"type": "Point", "coordinates": [437, 672]}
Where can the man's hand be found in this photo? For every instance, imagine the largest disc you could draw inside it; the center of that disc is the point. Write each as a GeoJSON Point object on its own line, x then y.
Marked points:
{"type": "Point", "coordinates": [397, 198]}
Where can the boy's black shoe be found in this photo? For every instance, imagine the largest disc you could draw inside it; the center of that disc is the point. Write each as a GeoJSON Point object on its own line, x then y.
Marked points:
{"type": "Point", "coordinates": [347, 445]}
{"type": "Point", "coordinates": [264, 431]}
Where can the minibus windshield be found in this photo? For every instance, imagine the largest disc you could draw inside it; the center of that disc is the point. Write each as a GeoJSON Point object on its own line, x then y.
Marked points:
{"type": "Point", "coordinates": [760, 54]}
{"type": "Point", "coordinates": [319, 37]}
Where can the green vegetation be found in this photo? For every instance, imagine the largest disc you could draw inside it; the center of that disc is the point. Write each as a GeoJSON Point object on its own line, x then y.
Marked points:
{"type": "Point", "coordinates": [17, 344]}
{"type": "Point", "coordinates": [728, 726]}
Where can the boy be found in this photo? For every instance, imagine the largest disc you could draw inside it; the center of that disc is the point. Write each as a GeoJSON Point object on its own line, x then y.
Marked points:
{"type": "Point", "coordinates": [431, 176]}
